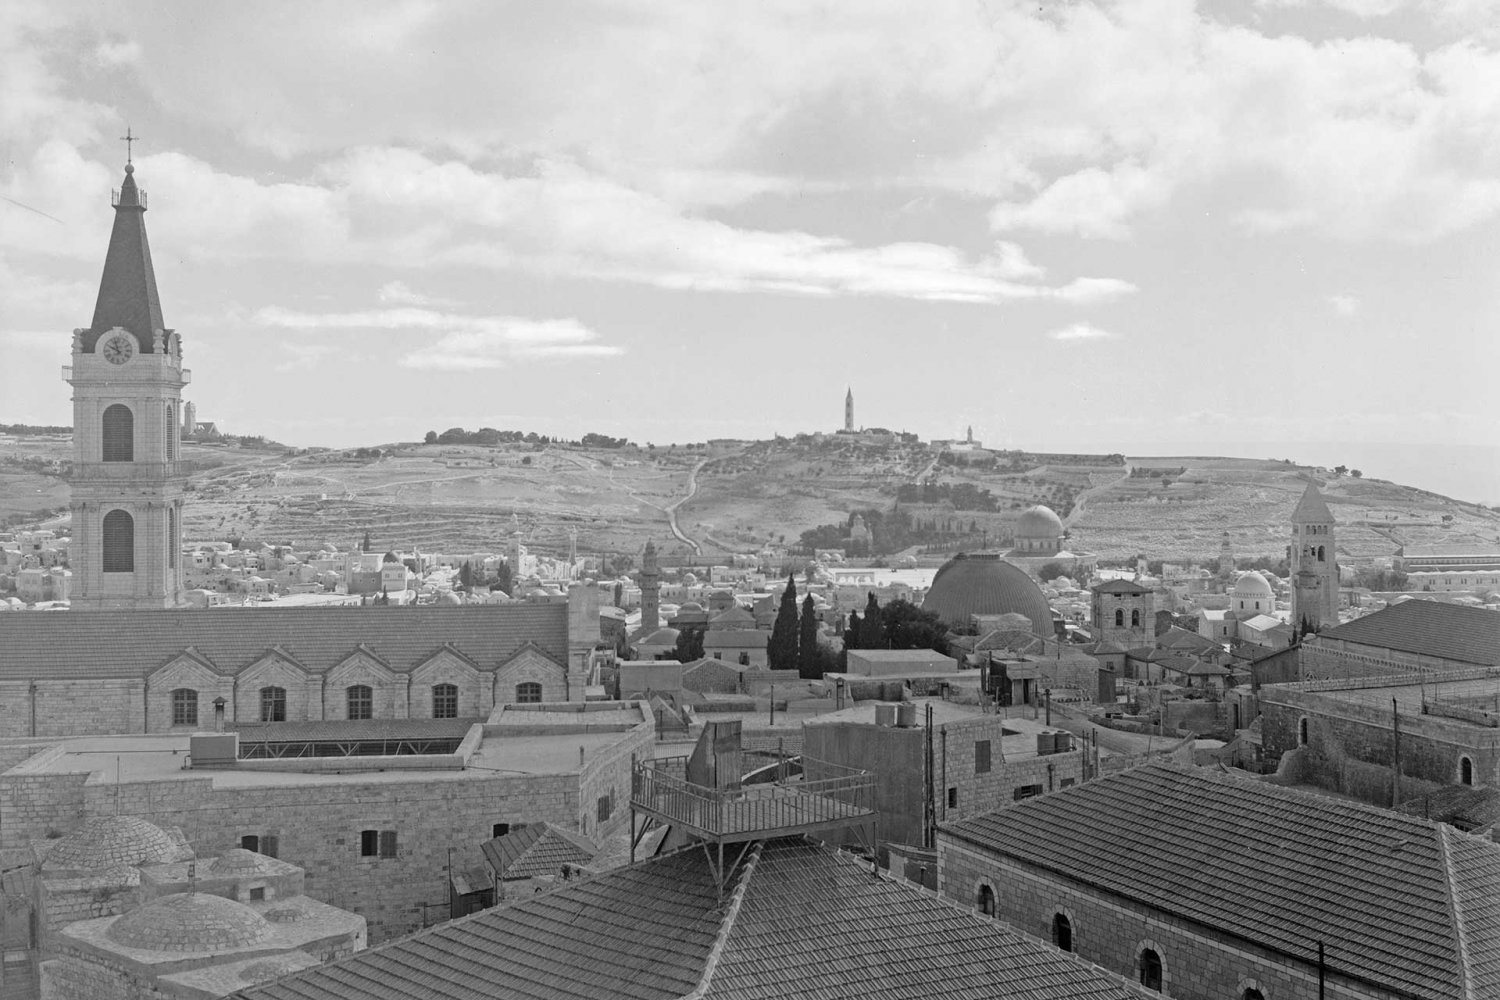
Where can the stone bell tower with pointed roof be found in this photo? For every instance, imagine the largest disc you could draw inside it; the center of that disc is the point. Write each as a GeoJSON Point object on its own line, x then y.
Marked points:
{"type": "Point", "coordinates": [127, 483]}
{"type": "Point", "coordinates": [1314, 563]}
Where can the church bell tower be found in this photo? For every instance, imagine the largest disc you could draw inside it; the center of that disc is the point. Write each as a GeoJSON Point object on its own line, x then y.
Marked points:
{"type": "Point", "coordinates": [1314, 563]}
{"type": "Point", "coordinates": [127, 483]}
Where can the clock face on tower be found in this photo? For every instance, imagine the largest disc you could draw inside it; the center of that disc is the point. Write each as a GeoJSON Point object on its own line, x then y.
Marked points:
{"type": "Point", "coordinates": [117, 350]}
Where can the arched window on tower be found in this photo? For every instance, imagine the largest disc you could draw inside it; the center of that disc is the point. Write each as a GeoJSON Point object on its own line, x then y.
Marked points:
{"type": "Point", "coordinates": [1320, 553]}
{"type": "Point", "coordinates": [1465, 771]}
{"type": "Point", "coordinates": [169, 443]}
{"type": "Point", "coordinates": [987, 905]}
{"type": "Point", "coordinates": [1135, 617]}
{"type": "Point", "coordinates": [118, 427]}
{"type": "Point", "coordinates": [171, 538]}
{"type": "Point", "coordinates": [119, 542]}
{"type": "Point", "coordinates": [1119, 618]}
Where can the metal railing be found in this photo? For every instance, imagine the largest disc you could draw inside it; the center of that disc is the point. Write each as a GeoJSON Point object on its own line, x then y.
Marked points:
{"type": "Point", "coordinates": [826, 794]}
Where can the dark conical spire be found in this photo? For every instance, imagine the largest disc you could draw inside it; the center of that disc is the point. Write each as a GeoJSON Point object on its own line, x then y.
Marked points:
{"type": "Point", "coordinates": [127, 291]}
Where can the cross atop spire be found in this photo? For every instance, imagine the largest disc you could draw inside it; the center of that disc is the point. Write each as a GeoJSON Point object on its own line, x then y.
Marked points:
{"type": "Point", "coordinates": [127, 139]}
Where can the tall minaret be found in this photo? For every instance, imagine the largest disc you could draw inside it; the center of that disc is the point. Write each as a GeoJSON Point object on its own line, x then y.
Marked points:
{"type": "Point", "coordinates": [650, 590]}
{"type": "Point", "coordinates": [849, 410]}
{"type": "Point", "coordinates": [1314, 563]}
{"type": "Point", "coordinates": [127, 379]}
{"type": "Point", "coordinates": [1226, 561]}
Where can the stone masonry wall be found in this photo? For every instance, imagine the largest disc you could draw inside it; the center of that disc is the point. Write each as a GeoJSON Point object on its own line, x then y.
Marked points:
{"type": "Point", "coordinates": [981, 792]}
{"type": "Point", "coordinates": [1198, 963]}
{"type": "Point", "coordinates": [39, 807]}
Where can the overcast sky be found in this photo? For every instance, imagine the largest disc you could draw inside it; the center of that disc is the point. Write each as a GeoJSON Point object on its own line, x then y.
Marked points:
{"type": "Point", "coordinates": [1135, 227]}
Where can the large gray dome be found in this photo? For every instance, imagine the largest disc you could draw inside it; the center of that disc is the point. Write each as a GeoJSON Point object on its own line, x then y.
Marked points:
{"type": "Point", "coordinates": [1038, 522]}
{"type": "Point", "coordinates": [986, 585]}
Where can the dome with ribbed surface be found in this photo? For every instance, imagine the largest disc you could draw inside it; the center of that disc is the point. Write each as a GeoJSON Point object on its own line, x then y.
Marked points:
{"type": "Point", "coordinates": [108, 841]}
{"type": "Point", "coordinates": [190, 921]}
{"type": "Point", "coordinates": [1252, 585]}
{"type": "Point", "coordinates": [1038, 522]}
{"type": "Point", "coordinates": [986, 585]}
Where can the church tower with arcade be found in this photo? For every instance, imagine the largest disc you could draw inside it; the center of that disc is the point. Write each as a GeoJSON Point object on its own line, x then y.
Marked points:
{"type": "Point", "coordinates": [1314, 564]}
{"type": "Point", "coordinates": [127, 482]}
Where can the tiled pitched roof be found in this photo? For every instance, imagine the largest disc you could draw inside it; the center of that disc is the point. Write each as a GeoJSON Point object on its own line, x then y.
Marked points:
{"type": "Point", "coordinates": [536, 850]}
{"type": "Point", "coordinates": [638, 933]}
{"type": "Point", "coordinates": [133, 643]}
{"type": "Point", "coordinates": [812, 922]}
{"type": "Point", "coordinates": [1475, 868]}
{"type": "Point", "coordinates": [1120, 587]}
{"type": "Point", "coordinates": [1270, 865]}
{"type": "Point", "coordinates": [1431, 628]}
{"type": "Point", "coordinates": [798, 920]}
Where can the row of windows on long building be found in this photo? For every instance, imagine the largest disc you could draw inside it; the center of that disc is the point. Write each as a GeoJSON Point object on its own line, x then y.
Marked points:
{"type": "Point", "coordinates": [1149, 968]}
{"type": "Point", "coordinates": [359, 702]}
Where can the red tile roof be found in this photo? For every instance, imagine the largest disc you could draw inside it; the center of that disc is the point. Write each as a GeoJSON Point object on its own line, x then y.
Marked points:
{"type": "Point", "coordinates": [1274, 866]}
{"type": "Point", "coordinates": [1430, 628]}
{"type": "Point", "coordinates": [536, 849]}
{"type": "Point", "coordinates": [797, 920]}
{"type": "Point", "coordinates": [135, 643]}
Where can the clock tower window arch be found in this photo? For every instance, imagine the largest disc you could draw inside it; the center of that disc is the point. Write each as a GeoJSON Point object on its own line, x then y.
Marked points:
{"type": "Point", "coordinates": [119, 542]}
{"type": "Point", "coordinates": [118, 427]}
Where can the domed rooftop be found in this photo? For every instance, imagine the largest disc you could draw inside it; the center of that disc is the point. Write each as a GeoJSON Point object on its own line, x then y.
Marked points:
{"type": "Point", "coordinates": [269, 968]}
{"type": "Point", "coordinates": [190, 921]}
{"type": "Point", "coordinates": [1038, 522]}
{"type": "Point", "coordinates": [108, 841]}
{"type": "Point", "coordinates": [986, 585]}
{"type": "Point", "coordinates": [692, 606]}
{"type": "Point", "coordinates": [1252, 586]}
{"type": "Point", "coordinates": [240, 863]}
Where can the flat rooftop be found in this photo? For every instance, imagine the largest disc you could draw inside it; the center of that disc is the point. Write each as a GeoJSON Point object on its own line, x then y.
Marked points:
{"type": "Point", "coordinates": [132, 759]}
{"type": "Point", "coordinates": [1408, 697]}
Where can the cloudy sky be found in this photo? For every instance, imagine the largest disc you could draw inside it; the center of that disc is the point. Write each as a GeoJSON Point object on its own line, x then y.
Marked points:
{"type": "Point", "coordinates": [1266, 228]}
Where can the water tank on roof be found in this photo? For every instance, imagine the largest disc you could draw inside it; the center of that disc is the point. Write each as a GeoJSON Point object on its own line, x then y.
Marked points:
{"type": "Point", "coordinates": [1064, 741]}
{"type": "Point", "coordinates": [906, 715]}
{"type": "Point", "coordinates": [885, 715]}
{"type": "Point", "coordinates": [1046, 743]}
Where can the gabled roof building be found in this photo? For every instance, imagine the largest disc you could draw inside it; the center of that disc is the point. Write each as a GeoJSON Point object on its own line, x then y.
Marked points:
{"type": "Point", "coordinates": [1206, 884]}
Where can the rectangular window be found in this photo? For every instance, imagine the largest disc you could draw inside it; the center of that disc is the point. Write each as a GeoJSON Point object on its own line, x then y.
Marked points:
{"type": "Point", "coordinates": [499, 829]}
{"type": "Point", "coordinates": [184, 707]}
{"type": "Point", "coordinates": [250, 842]}
{"type": "Point", "coordinates": [1026, 792]}
{"type": "Point", "coordinates": [387, 843]}
{"type": "Point", "coordinates": [445, 701]}
{"type": "Point", "coordinates": [369, 843]}
{"type": "Point", "coordinates": [953, 798]}
{"type": "Point", "coordinates": [981, 756]}
{"type": "Point", "coordinates": [604, 807]}
{"type": "Point", "coordinates": [257, 894]}
{"type": "Point", "coordinates": [270, 845]}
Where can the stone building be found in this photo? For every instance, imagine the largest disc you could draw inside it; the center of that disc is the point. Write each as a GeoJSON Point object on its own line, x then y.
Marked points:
{"type": "Point", "coordinates": [1123, 612]}
{"type": "Point", "coordinates": [127, 484]}
{"type": "Point", "coordinates": [968, 763]}
{"type": "Point", "coordinates": [123, 672]}
{"type": "Point", "coordinates": [125, 911]}
{"type": "Point", "coordinates": [1405, 638]}
{"type": "Point", "coordinates": [1205, 885]}
{"type": "Point", "coordinates": [368, 809]}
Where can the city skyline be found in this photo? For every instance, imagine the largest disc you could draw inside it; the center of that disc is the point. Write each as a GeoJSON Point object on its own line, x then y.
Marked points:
{"type": "Point", "coordinates": [1267, 230]}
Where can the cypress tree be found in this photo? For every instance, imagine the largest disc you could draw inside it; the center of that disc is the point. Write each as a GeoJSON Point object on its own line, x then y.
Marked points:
{"type": "Point", "coordinates": [871, 630]}
{"type": "Point", "coordinates": [781, 651]}
{"type": "Point", "coordinates": [807, 642]}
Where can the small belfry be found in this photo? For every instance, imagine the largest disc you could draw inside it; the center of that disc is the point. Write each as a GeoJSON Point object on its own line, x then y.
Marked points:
{"type": "Point", "coordinates": [1314, 564]}
{"type": "Point", "coordinates": [127, 482]}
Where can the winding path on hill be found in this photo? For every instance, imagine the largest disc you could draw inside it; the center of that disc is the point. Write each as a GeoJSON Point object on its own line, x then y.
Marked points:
{"type": "Point", "coordinates": [671, 509]}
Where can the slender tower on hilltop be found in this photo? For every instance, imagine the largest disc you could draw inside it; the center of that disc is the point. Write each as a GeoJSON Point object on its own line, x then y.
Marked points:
{"type": "Point", "coordinates": [650, 590]}
{"type": "Point", "coordinates": [127, 484]}
{"type": "Point", "coordinates": [1314, 563]}
{"type": "Point", "coordinates": [849, 410]}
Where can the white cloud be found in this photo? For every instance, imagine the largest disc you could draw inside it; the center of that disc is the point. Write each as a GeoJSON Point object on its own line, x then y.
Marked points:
{"type": "Point", "coordinates": [399, 293]}
{"type": "Point", "coordinates": [1082, 331]}
{"type": "Point", "coordinates": [456, 342]}
{"type": "Point", "coordinates": [113, 53]}
{"type": "Point", "coordinates": [1344, 305]}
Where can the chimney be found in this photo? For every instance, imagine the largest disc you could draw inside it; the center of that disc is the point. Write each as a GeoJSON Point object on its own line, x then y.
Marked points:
{"type": "Point", "coordinates": [219, 715]}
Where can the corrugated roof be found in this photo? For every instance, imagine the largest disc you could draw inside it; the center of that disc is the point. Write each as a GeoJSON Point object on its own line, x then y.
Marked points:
{"type": "Point", "coordinates": [1431, 628]}
{"type": "Point", "coordinates": [135, 643]}
{"type": "Point", "coordinates": [797, 920]}
{"type": "Point", "coordinates": [1271, 865]}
